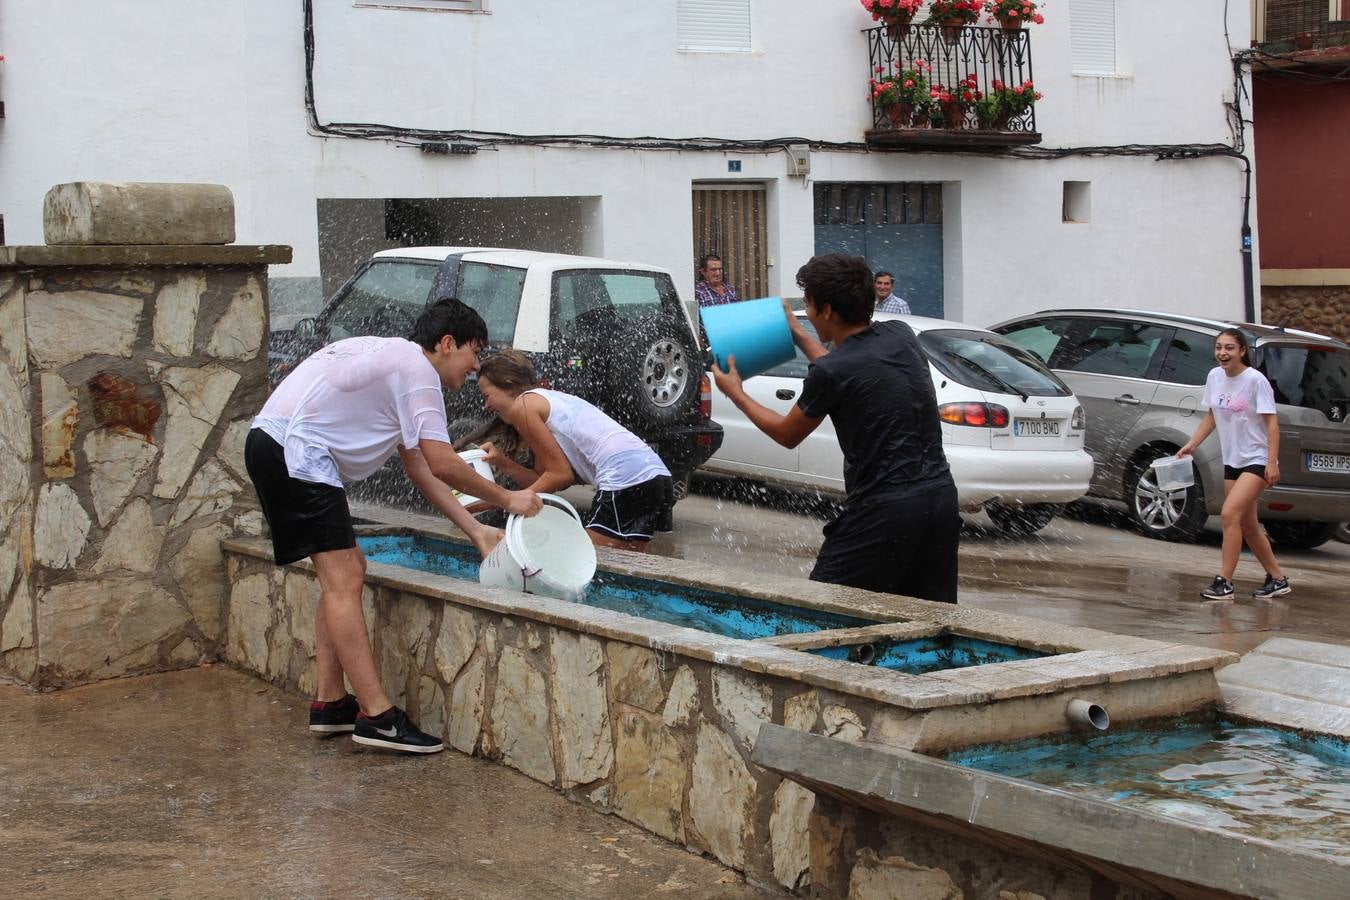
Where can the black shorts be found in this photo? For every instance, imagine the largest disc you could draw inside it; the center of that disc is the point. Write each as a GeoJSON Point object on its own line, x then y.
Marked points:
{"type": "Point", "coordinates": [1231, 474]}
{"type": "Point", "coordinates": [631, 514]}
{"type": "Point", "coordinates": [305, 518]}
{"type": "Point", "coordinates": [904, 545]}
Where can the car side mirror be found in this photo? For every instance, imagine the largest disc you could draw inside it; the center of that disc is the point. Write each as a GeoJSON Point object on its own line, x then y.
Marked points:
{"type": "Point", "coordinates": [306, 329]}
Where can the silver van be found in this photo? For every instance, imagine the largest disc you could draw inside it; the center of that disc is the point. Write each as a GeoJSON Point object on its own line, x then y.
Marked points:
{"type": "Point", "coordinates": [1140, 377]}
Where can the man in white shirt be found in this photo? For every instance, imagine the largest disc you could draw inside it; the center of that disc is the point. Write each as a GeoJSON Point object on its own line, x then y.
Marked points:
{"type": "Point", "coordinates": [884, 282]}
{"type": "Point", "coordinates": [337, 417]}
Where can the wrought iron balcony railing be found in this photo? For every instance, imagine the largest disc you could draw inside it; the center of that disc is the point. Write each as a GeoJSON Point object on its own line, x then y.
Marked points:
{"type": "Point", "coordinates": [1293, 25]}
{"type": "Point", "coordinates": [987, 57]}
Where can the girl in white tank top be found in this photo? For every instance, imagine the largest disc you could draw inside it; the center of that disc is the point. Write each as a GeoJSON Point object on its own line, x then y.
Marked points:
{"type": "Point", "coordinates": [573, 442]}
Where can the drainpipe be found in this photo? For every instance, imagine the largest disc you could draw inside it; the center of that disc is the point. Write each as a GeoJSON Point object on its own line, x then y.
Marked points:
{"type": "Point", "coordinates": [1248, 276]}
{"type": "Point", "coordinates": [1085, 712]}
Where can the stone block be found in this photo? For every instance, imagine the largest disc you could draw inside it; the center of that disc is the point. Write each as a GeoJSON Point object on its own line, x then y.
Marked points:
{"type": "Point", "coordinates": [60, 415]}
{"type": "Point", "coordinates": [720, 796]}
{"type": "Point", "coordinates": [116, 463]}
{"type": "Point", "coordinates": [199, 571]}
{"type": "Point", "coordinates": [466, 707]}
{"type": "Point", "coordinates": [743, 702]}
{"type": "Point", "coordinates": [100, 628]}
{"type": "Point", "coordinates": [454, 643]}
{"type": "Point", "coordinates": [195, 398]}
{"type": "Point", "coordinates": [682, 701]}
{"type": "Point", "coordinates": [790, 833]}
{"type": "Point", "coordinates": [634, 676]}
{"type": "Point", "coordinates": [176, 313]}
{"type": "Point", "coordinates": [13, 332]}
{"type": "Point", "coordinates": [211, 492]}
{"type": "Point", "coordinates": [876, 878]}
{"type": "Point", "coordinates": [239, 333]}
{"type": "Point", "coordinates": [97, 212]}
{"type": "Point", "coordinates": [249, 619]}
{"type": "Point", "coordinates": [133, 544]}
{"type": "Point", "coordinates": [802, 711]}
{"type": "Point", "coordinates": [520, 729]}
{"type": "Point", "coordinates": [651, 774]}
{"type": "Point", "coordinates": [16, 631]}
{"type": "Point", "coordinates": [580, 709]}
{"type": "Point", "coordinates": [60, 526]}
{"type": "Point", "coordinates": [69, 326]}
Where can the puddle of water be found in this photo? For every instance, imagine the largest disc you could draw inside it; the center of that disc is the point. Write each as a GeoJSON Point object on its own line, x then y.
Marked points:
{"type": "Point", "coordinates": [725, 614]}
{"type": "Point", "coordinates": [1257, 781]}
{"type": "Point", "coordinates": [916, 656]}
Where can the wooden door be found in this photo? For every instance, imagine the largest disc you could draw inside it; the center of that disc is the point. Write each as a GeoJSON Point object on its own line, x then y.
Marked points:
{"type": "Point", "coordinates": [729, 220]}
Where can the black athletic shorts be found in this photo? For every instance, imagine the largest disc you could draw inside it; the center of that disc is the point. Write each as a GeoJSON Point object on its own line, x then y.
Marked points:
{"type": "Point", "coordinates": [903, 545]}
{"type": "Point", "coordinates": [1231, 474]}
{"type": "Point", "coordinates": [634, 513]}
{"type": "Point", "coordinates": [305, 518]}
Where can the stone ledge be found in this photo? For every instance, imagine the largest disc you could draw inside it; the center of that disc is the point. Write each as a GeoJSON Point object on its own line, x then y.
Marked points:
{"type": "Point", "coordinates": [144, 255]}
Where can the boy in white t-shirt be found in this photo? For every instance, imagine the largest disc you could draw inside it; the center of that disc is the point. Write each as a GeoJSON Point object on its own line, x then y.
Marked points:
{"type": "Point", "coordinates": [337, 417]}
{"type": "Point", "coordinates": [1241, 406]}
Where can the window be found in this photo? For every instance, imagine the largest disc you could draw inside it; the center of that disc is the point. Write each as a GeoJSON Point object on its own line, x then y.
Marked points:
{"type": "Point", "coordinates": [1092, 36]}
{"type": "Point", "coordinates": [1077, 201]}
{"type": "Point", "coordinates": [1040, 338]}
{"type": "Point", "coordinates": [898, 203]}
{"type": "Point", "coordinates": [494, 291]}
{"type": "Point", "coordinates": [988, 363]}
{"type": "Point", "coordinates": [717, 26]}
{"type": "Point", "coordinates": [591, 301]}
{"type": "Point", "coordinates": [439, 5]}
{"type": "Point", "coordinates": [1189, 358]}
{"type": "Point", "coordinates": [1308, 376]}
{"type": "Point", "coordinates": [385, 300]}
{"type": "Point", "coordinates": [1125, 349]}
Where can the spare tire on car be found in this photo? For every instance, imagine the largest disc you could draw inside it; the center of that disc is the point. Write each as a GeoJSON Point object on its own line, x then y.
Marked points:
{"type": "Point", "coordinates": [656, 379]}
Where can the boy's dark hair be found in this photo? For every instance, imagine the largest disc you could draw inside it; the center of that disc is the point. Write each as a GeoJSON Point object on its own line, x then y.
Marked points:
{"type": "Point", "coordinates": [841, 282]}
{"type": "Point", "coordinates": [449, 316]}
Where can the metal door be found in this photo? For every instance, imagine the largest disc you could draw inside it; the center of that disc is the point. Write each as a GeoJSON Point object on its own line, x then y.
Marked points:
{"type": "Point", "coordinates": [896, 227]}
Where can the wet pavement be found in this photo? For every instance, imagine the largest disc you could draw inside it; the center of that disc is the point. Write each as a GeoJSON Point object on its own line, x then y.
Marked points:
{"type": "Point", "coordinates": [1088, 568]}
{"type": "Point", "coordinates": [205, 783]}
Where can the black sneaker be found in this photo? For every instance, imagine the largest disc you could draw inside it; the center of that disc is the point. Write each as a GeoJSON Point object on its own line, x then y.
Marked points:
{"type": "Point", "coordinates": [1274, 587]}
{"type": "Point", "coordinates": [1221, 589]}
{"type": "Point", "coordinates": [333, 716]}
{"type": "Point", "coordinates": [393, 730]}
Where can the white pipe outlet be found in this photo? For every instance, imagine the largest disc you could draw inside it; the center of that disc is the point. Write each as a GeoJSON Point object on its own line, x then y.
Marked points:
{"type": "Point", "coordinates": [1085, 712]}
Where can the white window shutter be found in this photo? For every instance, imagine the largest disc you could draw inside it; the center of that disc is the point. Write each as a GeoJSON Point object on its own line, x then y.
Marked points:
{"type": "Point", "coordinates": [715, 25]}
{"type": "Point", "coordinates": [1092, 35]}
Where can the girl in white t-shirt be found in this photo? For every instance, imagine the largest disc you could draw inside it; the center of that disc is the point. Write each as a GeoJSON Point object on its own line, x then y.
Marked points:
{"type": "Point", "coordinates": [1241, 405]}
{"type": "Point", "coordinates": [574, 442]}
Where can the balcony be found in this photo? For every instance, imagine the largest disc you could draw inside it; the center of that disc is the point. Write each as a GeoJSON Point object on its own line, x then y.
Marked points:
{"type": "Point", "coordinates": [990, 54]}
{"type": "Point", "coordinates": [1300, 26]}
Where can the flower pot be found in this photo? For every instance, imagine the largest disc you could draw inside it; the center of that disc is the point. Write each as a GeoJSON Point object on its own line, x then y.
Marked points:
{"type": "Point", "coordinates": [900, 114]}
{"type": "Point", "coordinates": [1303, 41]}
{"type": "Point", "coordinates": [953, 116]}
{"type": "Point", "coordinates": [897, 24]}
{"type": "Point", "coordinates": [951, 30]}
{"type": "Point", "coordinates": [922, 119]}
{"type": "Point", "coordinates": [996, 123]}
{"type": "Point", "coordinates": [1011, 24]}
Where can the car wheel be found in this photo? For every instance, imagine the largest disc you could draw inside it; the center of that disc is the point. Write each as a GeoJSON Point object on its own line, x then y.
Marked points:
{"type": "Point", "coordinates": [1024, 519]}
{"type": "Point", "coordinates": [1343, 533]}
{"type": "Point", "coordinates": [1300, 535]}
{"type": "Point", "coordinates": [1165, 515]}
{"type": "Point", "coordinates": [657, 382]}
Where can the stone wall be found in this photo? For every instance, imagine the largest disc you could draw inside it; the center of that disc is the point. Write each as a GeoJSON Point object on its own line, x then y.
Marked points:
{"type": "Point", "coordinates": [636, 722]}
{"type": "Point", "coordinates": [128, 377]}
{"type": "Point", "coordinates": [1324, 309]}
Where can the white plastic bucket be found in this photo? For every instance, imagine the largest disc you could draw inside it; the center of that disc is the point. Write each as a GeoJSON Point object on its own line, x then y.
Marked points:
{"type": "Point", "coordinates": [548, 554]}
{"type": "Point", "coordinates": [477, 459]}
{"type": "Point", "coordinates": [1173, 473]}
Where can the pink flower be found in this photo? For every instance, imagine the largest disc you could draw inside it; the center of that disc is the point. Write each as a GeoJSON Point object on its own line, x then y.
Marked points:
{"type": "Point", "coordinates": [909, 82]}
{"type": "Point", "coordinates": [1038, 19]}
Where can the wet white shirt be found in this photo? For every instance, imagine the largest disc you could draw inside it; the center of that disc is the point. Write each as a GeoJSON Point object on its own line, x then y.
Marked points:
{"type": "Point", "coordinates": [349, 406]}
{"type": "Point", "coordinates": [602, 452]}
{"type": "Point", "coordinates": [1238, 404]}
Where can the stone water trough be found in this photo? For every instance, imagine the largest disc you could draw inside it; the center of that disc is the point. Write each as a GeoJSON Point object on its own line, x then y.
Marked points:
{"type": "Point", "coordinates": [657, 723]}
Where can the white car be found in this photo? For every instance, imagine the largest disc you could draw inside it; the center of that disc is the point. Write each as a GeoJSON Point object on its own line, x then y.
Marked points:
{"type": "Point", "coordinates": [1012, 431]}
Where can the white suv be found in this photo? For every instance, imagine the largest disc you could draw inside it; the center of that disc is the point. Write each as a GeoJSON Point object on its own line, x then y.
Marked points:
{"type": "Point", "coordinates": [612, 332]}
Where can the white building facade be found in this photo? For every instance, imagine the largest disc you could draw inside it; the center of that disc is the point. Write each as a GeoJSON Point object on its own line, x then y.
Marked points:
{"type": "Point", "coordinates": [196, 90]}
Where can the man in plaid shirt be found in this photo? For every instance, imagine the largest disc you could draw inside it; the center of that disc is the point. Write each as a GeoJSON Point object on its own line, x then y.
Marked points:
{"type": "Point", "coordinates": [711, 290]}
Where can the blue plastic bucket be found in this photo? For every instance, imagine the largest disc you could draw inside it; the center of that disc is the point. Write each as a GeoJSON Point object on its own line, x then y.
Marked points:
{"type": "Point", "coordinates": [754, 331]}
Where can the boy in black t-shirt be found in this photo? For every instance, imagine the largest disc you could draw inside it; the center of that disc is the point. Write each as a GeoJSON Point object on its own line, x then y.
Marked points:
{"type": "Point", "coordinates": [900, 525]}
